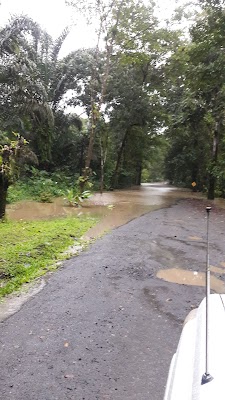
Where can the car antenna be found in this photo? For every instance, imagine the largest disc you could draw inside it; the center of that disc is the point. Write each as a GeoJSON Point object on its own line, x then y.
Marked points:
{"type": "Point", "coordinates": [206, 377]}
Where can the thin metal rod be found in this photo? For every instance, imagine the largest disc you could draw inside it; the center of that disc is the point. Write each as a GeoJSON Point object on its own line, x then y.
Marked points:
{"type": "Point", "coordinates": [207, 297]}
{"type": "Point", "coordinates": [206, 376]}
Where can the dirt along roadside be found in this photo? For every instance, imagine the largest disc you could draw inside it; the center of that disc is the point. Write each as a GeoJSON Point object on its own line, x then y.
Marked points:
{"type": "Point", "coordinates": [106, 325]}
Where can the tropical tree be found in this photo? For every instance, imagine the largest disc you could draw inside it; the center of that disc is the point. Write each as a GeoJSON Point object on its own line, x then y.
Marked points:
{"type": "Point", "coordinates": [13, 155]}
{"type": "Point", "coordinates": [33, 82]}
{"type": "Point", "coordinates": [24, 102]}
{"type": "Point", "coordinates": [70, 140]}
{"type": "Point", "coordinates": [207, 58]}
{"type": "Point", "coordinates": [137, 105]}
{"type": "Point", "coordinates": [123, 77]}
{"type": "Point", "coordinates": [196, 98]}
{"type": "Point", "coordinates": [107, 18]}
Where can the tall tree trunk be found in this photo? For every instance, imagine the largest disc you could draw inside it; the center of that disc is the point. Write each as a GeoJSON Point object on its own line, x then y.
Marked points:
{"type": "Point", "coordinates": [102, 176]}
{"type": "Point", "coordinates": [119, 157]}
{"type": "Point", "coordinates": [87, 170]}
{"type": "Point", "coordinates": [92, 136]}
{"type": "Point", "coordinates": [212, 178]}
{"type": "Point", "coordinates": [211, 187]}
{"type": "Point", "coordinates": [103, 158]}
{"type": "Point", "coordinates": [81, 158]}
{"type": "Point", "coordinates": [3, 195]}
{"type": "Point", "coordinates": [96, 109]}
{"type": "Point", "coordinates": [195, 165]}
{"type": "Point", "coordinates": [138, 176]}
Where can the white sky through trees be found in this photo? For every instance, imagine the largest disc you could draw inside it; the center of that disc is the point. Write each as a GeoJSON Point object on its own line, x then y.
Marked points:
{"type": "Point", "coordinates": [54, 16]}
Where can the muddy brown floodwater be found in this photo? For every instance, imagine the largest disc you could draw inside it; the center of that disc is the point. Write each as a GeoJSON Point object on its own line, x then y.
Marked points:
{"type": "Point", "coordinates": [112, 208]}
{"type": "Point", "coordinates": [116, 208]}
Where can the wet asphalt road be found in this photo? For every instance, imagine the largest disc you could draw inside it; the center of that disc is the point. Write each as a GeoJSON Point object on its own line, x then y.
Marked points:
{"type": "Point", "coordinates": [104, 327]}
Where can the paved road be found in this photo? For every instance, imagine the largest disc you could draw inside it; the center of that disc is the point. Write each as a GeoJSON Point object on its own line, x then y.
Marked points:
{"type": "Point", "coordinates": [104, 326]}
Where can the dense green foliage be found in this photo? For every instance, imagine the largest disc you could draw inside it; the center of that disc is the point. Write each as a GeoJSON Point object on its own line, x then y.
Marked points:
{"type": "Point", "coordinates": [196, 80]}
{"type": "Point", "coordinates": [41, 186]}
{"type": "Point", "coordinates": [30, 249]}
{"type": "Point", "coordinates": [148, 95]}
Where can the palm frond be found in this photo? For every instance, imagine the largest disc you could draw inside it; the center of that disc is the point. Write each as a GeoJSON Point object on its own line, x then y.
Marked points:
{"type": "Point", "coordinates": [10, 34]}
{"type": "Point", "coordinates": [58, 44]}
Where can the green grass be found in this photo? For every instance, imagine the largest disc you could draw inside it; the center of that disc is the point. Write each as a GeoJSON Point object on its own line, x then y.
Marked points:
{"type": "Point", "coordinates": [30, 249]}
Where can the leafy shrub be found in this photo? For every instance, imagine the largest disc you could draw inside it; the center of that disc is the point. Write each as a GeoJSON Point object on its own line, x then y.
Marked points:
{"type": "Point", "coordinates": [40, 186]}
{"type": "Point", "coordinates": [74, 197]}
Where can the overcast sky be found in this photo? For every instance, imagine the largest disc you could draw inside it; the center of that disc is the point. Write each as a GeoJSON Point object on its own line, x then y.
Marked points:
{"type": "Point", "coordinates": [53, 15]}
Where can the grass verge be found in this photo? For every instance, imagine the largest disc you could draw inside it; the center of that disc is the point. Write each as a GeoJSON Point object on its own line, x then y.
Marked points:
{"type": "Point", "coordinates": [29, 249]}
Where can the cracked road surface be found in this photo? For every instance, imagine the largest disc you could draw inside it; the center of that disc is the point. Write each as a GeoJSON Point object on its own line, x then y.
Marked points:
{"type": "Point", "coordinates": [104, 326]}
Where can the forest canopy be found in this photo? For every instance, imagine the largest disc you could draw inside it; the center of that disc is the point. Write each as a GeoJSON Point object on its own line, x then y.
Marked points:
{"type": "Point", "coordinates": [151, 94]}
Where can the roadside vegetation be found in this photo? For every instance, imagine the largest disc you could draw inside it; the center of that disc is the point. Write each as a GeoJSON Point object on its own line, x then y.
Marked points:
{"type": "Point", "coordinates": [41, 186]}
{"type": "Point", "coordinates": [30, 249]}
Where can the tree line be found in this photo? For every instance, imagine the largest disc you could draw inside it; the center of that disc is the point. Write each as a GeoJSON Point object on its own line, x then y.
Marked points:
{"type": "Point", "coordinates": [151, 97]}
{"type": "Point", "coordinates": [196, 104]}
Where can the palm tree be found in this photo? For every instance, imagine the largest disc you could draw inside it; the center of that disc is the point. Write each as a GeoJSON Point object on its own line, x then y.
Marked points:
{"type": "Point", "coordinates": [33, 81]}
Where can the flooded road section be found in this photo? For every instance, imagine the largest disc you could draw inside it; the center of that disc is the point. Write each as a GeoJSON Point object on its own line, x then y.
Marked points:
{"type": "Point", "coordinates": [118, 207]}
{"type": "Point", "coordinates": [112, 208]}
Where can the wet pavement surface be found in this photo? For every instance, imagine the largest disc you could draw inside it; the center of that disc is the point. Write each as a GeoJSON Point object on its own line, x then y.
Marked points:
{"type": "Point", "coordinates": [105, 325]}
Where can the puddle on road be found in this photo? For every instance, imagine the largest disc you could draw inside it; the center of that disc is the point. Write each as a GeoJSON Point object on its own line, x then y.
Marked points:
{"type": "Point", "coordinates": [192, 278]}
{"type": "Point", "coordinates": [217, 270]}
